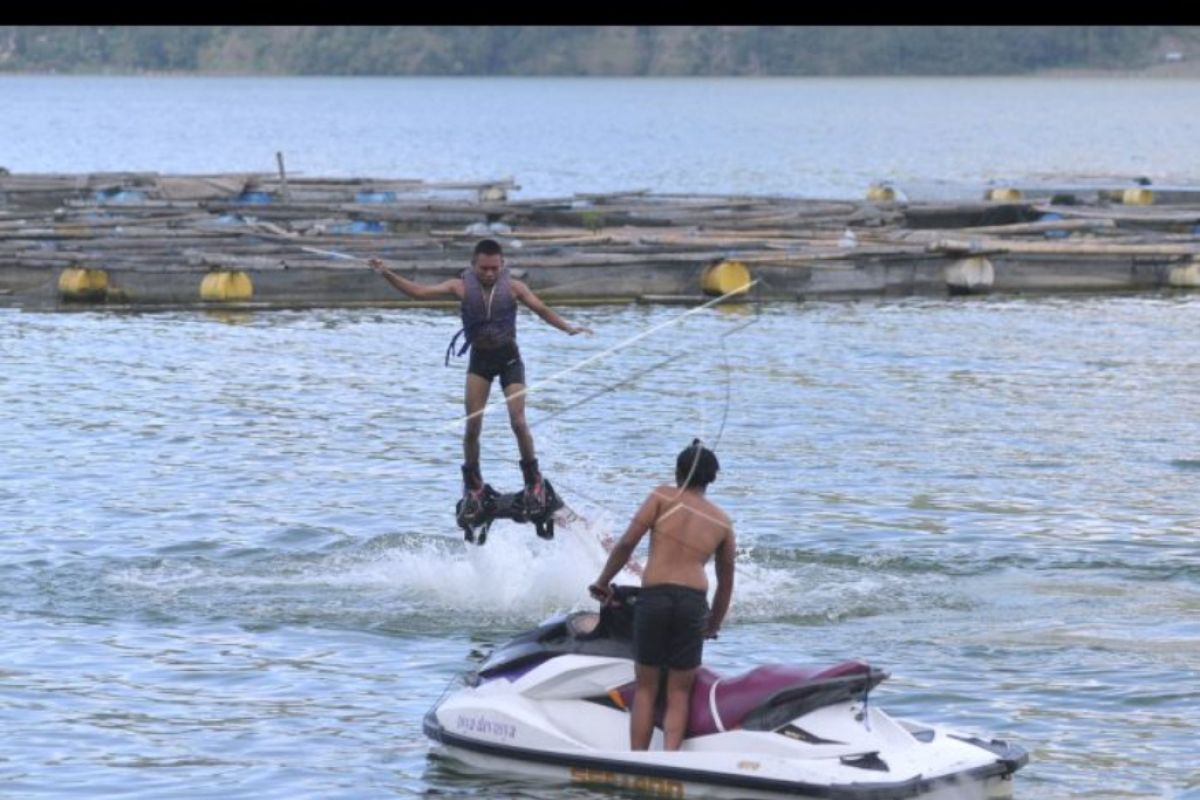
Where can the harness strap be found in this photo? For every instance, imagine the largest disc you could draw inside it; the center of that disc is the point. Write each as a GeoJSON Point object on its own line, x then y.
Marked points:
{"type": "Point", "coordinates": [450, 348]}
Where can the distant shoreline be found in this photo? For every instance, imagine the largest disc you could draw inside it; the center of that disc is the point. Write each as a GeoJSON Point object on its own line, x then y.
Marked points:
{"type": "Point", "coordinates": [609, 51]}
{"type": "Point", "coordinates": [1176, 71]}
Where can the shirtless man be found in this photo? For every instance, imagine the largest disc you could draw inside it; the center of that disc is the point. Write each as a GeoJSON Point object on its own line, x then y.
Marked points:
{"type": "Point", "coordinates": [671, 617]}
{"type": "Point", "coordinates": [489, 313]}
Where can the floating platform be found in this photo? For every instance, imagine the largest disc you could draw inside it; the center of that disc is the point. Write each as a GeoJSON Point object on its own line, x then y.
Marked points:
{"type": "Point", "coordinates": [270, 241]}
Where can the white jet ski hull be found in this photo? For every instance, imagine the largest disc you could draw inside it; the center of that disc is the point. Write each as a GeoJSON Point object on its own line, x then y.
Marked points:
{"type": "Point", "coordinates": [548, 723]}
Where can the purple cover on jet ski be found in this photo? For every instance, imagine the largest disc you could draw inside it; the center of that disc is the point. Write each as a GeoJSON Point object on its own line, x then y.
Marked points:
{"type": "Point", "coordinates": [738, 696]}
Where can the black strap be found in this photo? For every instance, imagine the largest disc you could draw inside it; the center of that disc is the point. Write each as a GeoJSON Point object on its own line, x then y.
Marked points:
{"type": "Point", "coordinates": [450, 349]}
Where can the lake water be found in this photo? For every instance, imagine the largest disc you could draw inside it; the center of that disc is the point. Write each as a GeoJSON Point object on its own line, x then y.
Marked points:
{"type": "Point", "coordinates": [808, 137]}
{"type": "Point", "coordinates": [229, 568]}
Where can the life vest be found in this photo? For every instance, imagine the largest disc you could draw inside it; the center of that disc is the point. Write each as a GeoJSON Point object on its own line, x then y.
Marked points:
{"type": "Point", "coordinates": [489, 316]}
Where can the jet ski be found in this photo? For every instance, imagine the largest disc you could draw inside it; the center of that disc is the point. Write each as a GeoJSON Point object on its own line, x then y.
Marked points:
{"type": "Point", "coordinates": [554, 702]}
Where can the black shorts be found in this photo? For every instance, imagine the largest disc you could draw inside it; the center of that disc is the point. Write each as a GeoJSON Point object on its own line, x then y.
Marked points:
{"type": "Point", "coordinates": [504, 361]}
{"type": "Point", "coordinates": [668, 626]}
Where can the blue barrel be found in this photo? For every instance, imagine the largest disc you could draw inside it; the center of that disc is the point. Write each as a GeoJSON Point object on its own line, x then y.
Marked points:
{"type": "Point", "coordinates": [253, 198]}
{"type": "Point", "coordinates": [1052, 217]}
{"type": "Point", "coordinates": [375, 197]}
{"type": "Point", "coordinates": [120, 195]}
{"type": "Point", "coordinates": [358, 226]}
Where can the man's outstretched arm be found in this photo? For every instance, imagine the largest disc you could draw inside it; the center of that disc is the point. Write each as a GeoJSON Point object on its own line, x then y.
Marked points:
{"type": "Point", "coordinates": [419, 291]}
{"type": "Point", "coordinates": [535, 304]}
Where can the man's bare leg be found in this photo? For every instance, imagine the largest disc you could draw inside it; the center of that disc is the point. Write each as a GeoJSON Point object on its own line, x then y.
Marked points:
{"type": "Point", "coordinates": [477, 392]}
{"type": "Point", "coordinates": [679, 697]}
{"type": "Point", "coordinates": [645, 697]}
{"type": "Point", "coordinates": [535, 493]}
{"type": "Point", "coordinates": [514, 395]}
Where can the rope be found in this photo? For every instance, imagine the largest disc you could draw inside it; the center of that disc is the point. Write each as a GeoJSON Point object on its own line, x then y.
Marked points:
{"type": "Point", "coordinates": [599, 356]}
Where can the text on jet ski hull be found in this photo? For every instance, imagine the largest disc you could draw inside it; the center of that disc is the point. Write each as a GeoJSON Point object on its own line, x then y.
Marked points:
{"type": "Point", "coordinates": [482, 724]}
{"type": "Point", "coordinates": [659, 787]}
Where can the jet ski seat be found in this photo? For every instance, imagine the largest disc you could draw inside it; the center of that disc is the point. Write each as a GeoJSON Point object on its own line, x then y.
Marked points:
{"type": "Point", "coordinates": [742, 701]}
{"type": "Point", "coordinates": [767, 697]}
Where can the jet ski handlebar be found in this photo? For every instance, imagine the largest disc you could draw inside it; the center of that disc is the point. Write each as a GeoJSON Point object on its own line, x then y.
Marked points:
{"type": "Point", "coordinates": [614, 595]}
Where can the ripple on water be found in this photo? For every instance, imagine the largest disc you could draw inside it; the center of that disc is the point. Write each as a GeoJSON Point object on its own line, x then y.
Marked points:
{"type": "Point", "coordinates": [235, 571]}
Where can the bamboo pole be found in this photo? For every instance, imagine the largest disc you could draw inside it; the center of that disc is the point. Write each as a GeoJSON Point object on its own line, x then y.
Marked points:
{"type": "Point", "coordinates": [1023, 228]}
{"type": "Point", "coordinates": [1078, 248]}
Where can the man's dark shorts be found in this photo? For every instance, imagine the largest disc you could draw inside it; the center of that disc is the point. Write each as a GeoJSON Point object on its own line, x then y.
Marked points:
{"type": "Point", "coordinates": [504, 361]}
{"type": "Point", "coordinates": [668, 626]}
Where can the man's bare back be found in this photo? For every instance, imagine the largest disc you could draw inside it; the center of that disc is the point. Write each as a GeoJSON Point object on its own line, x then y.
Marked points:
{"type": "Point", "coordinates": [686, 529]}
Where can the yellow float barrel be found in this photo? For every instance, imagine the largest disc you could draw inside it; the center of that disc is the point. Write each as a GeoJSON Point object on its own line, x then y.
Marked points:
{"type": "Point", "coordinates": [1137, 197]}
{"type": "Point", "coordinates": [226, 286]}
{"type": "Point", "coordinates": [1003, 194]}
{"type": "Point", "coordinates": [881, 194]}
{"type": "Point", "coordinates": [725, 277]}
{"type": "Point", "coordinates": [82, 284]}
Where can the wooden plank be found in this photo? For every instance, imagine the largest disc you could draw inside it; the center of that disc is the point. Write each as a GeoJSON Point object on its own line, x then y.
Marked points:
{"type": "Point", "coordinates": [1081, 247]}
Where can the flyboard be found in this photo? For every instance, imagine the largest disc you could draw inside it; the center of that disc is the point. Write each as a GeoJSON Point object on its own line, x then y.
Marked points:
{"type": "Point", "coordinates": [512, 506]}
{"type": "Point", "coordinates": [475, 522]}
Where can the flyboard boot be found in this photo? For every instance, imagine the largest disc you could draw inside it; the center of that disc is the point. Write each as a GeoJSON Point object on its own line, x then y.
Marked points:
{"type": "Point", "coordinates": [473, 511]}
{"type": "Point", "coordinates": [539, 500]}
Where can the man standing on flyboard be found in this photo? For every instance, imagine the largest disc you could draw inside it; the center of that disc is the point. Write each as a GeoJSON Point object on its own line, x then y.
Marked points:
{"type": "Point", "coordinates": [489, 315]}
